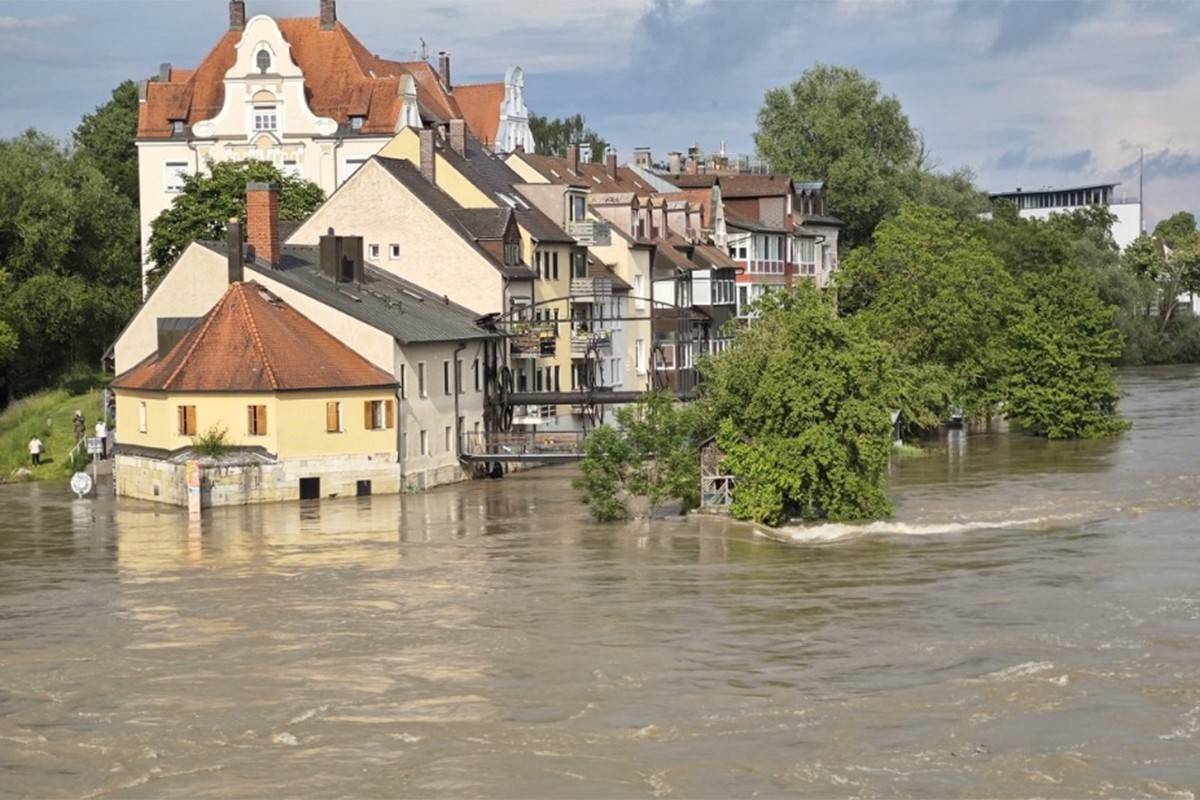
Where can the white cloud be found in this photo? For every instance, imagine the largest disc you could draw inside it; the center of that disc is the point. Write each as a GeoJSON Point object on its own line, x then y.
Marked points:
{"type": "Point", "coordinates": [34, 23]}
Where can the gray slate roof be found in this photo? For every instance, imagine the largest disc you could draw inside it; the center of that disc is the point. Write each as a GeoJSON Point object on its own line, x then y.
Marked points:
{"type": "Point", "coordinates": [400, 308]}
{"type": "Point", "coordinates": [448, 210]}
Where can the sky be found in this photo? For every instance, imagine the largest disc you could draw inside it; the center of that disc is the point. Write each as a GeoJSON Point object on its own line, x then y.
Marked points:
{"type": "Point", "coordinates": [1026, 94]}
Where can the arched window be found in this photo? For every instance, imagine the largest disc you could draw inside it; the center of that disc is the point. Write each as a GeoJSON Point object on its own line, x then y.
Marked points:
{"type": "Point", "coordinates": [263, 60]}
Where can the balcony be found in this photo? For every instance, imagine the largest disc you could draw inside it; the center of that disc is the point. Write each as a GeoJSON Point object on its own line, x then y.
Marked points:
{"type": "Point", "coordinates": [581, 340]}
{"type": "Point", "coordinates": [533, 344]}
{"type": "Point", "coordinates": [591, 287]}
{"type": "Point", "coordinates": [590, 233]}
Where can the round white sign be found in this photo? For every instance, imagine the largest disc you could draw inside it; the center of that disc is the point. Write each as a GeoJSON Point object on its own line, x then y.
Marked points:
{"type": "Point", "coordinates": [81, 483]}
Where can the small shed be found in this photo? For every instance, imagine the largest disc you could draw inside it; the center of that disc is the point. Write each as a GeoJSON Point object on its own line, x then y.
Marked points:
{"type": "Point", "coordinates": [716, 487]}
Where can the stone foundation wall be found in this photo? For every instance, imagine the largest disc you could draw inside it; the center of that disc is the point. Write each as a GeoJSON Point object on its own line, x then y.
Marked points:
{"type": "Point", "coordinates": [240, 484]}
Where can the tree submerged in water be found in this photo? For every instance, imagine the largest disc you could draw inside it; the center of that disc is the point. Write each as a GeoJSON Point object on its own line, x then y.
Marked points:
{"type": "Point", "coordinates": [649, 459]}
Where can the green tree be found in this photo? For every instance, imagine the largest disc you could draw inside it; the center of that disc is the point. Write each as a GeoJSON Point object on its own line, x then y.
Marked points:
{"type": "Point", "coordinates": [1171, 260]}
{"type": "Point", "coordinates": [934, 290]}
{"type": "Point", "coordinates": [552, 136]}
{"type": "Point", "coordinates": [649, 457]}
{"type": "Point", "coordinates": [1060, 340]}
{"type": "Point", "coordinates": [107, 137]}
{"type": "Point", "coordinates": [834, 124]}
{"type": "Point", "coordinates": [201, 210]}
{"type": "Point", "coordinates": [801, 402]}
{"type": "Point", "coordinates": [68, 245]}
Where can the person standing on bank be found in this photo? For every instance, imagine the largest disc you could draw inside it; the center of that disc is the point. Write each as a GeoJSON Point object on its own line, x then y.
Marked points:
{"type": "Point", "coordinates": [80, 425]}
{"type": "Point", "coordinates": [35, 451]}
{"type": "Point", "coordinates": [102, 435]}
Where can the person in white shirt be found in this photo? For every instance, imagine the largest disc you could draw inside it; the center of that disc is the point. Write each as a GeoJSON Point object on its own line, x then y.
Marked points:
{"type": "Point", "coordinates": [35, 451]}
{"type": "Point", "coordinates": [102, 435]}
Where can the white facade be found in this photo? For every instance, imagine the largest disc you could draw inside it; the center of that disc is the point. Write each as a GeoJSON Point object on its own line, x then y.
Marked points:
{"type": "Point", "coordinates": [1040, 204]}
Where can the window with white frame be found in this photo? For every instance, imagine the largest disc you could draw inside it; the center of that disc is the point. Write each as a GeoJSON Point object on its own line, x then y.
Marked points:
{"type": "Point", "coordinates": [394, 251]}
{"type": "Point", "coordinates": [291, 168]}
{"type": "Point", "coordinates": [175, 172]}
{"type": "Point", "coordinates": [639, 356]}
{"type": "Point", "coordinates": [266, 117]}
{"type": "Point", "coordinates": [578, 207]}
{"type": "Point", "coordinates": [639, 292]}
{"type": "Point", "coordinates": [373, 251]}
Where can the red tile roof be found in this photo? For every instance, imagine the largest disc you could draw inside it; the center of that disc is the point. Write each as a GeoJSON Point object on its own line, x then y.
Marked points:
{"type": "Point", "coordinates": [594, 175]}
{"type": "Point", "coordinates": [480, 106]}
{"type": "Point", "coordinates": [342, 78]}
{"type": "Point", "coordinates": [252, 341]}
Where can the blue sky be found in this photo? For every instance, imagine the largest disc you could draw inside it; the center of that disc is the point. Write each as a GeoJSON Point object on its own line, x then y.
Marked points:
{"type": "Point", "coordinates": [1027, 94]}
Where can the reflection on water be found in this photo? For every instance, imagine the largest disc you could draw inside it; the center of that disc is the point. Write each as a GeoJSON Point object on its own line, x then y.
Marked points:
{"type": "Point", "coordinates": [1025, 627]}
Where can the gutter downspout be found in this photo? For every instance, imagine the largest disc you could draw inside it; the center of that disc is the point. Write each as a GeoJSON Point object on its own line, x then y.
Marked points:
{"type": "Point", "coordinates": [458, 434]}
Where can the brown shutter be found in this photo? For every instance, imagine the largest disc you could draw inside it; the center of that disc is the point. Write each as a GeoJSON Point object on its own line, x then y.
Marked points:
{"type": "Point", "coordinates": [331, 417]}
{"type": "Point", "coordinates": [251, 420]}
{"type": "Point", "coordinates": [190, 416]}
{"type": "Point", "coordinates": [262, 421]}
{"type": "Point", "coordinates": [390, 412]}
{"type": "Point", "coordinates": [181, 422]}
{"type": "Point", "coordinates": [367, 420]}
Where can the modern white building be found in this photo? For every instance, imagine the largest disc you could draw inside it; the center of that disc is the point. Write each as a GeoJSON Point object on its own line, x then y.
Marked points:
{"type": "Point", "coordinates": [1041, 203]}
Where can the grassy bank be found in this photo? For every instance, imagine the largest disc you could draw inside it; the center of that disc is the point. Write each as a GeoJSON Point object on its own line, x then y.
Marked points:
{"type": "Point", "coordinates": [48, 416]}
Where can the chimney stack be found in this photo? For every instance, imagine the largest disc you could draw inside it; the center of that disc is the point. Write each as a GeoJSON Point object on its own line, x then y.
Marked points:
{"type": "Point", "coordinates": [573, 159]}
{"type": "Point", "coordinates": [691, 165]}
{"type": "Point", "coordinates": [585, 152]}
{"type": "Point", "coordinates": [237, 15]}
{"type": "Point", "coordinates": [610, 161]}
{"type": "Point", "coordinates": [164, 72]}
{"type": "Point", "coordinates": [458, 136]}
{"type": "Point", "coordinates": [262, 222]}
{"type": "Point", "coordinates": [233, 251]}
{"type": "Point", "coordinates": [427, 157]}
{"type": "Point", "coordinates": [444, 68]}
{"type": "Point", "coordinates": [328, 15]}
{"type": "Point", "coordinates": [673, 162]}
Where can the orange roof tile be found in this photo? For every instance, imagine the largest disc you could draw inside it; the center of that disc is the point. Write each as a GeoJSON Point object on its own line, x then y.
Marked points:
{"type": "Point", "coordinates": [594, 175]}
{"type": "Point", "coordinates": [480, 104]}
{"type": "Point", "coordinates": [252, 341]}
{"type": "Point", "coordinates": [342, 78]}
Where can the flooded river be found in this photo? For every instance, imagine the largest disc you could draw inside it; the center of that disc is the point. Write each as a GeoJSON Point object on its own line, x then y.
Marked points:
{"type": "Point", "coordinates": [1027, 626]}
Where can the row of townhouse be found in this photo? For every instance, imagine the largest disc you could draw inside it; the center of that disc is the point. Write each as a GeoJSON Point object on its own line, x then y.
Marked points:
{"type": "Point", "coordinates": [481, 289]}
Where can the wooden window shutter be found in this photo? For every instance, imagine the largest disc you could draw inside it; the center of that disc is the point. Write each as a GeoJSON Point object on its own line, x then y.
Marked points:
{"type": "Point", "coordinates": [390, 412]}
{"type": "Point", "coordinates": [251, 420]}
{"type": "Point", "coordinates": [367, 418]}
{"type": "Point", "coordinates": [331, 417]}
{"type": "Point", "coordinates": [181, 425]}
{"type": "Point", "coordinates": [262, 420]}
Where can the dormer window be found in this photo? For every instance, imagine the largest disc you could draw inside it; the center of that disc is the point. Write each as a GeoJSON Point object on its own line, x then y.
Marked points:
{"type": "Point", "coordinates": [266, 118]}
{"type": "Point", "coordinates": [356, 122]}
{"type": "Point", "coordinates": [263, 61]}
{"type": "Point", "coordinates": [512, 254]}
{"type": "Point", "coordinates": [176, 126]}
{"type": "Point", "coordinates": [578, 208]}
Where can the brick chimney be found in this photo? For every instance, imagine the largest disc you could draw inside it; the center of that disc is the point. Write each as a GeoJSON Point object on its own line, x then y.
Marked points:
{"type": "Point", "coordinates": [262, 221]}
{"type": "Point", "coordinates": [237, 15]}
{"type": "Point", "coordinates": [233, 251]}
{"type": "Point", "coordinates": [428, 160]}
{"type": "Point", "coordinates": [458, 136]}
{"type": "Point", "coordinates": [328, 15]}
{"type": "Point", "coordinates": [691, 165]}
{"type": "Point", "coordinates": [573, 159]}
{"type": "Point", "coordinates": [444, 68]}
{"type": "Point", "coordinates": [610, 161]}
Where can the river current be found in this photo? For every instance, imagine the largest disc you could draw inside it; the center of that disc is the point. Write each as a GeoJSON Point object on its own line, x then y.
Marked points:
{"type": "Point", "coordinates": [1027, 626]}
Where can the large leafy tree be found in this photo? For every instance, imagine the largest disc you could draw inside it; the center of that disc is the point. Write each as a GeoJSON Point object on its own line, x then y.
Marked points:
{"type": "Point", "coordinates": [107, 137]}
{"type": "Point", "coordinates": [68, 246]}
{"type": "Point", "coordinates": [552, 136]}
{"type": "Point", "coordinates": [208, 201]}
{"type": "Point", "coordinates": [802, 401]}
{"type": "Point", "coordinates": [934, 289]}
{"type": "Point", "coordinates": [835, 124]}
{"type": "Point", "coordinates": [1061, 341]}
